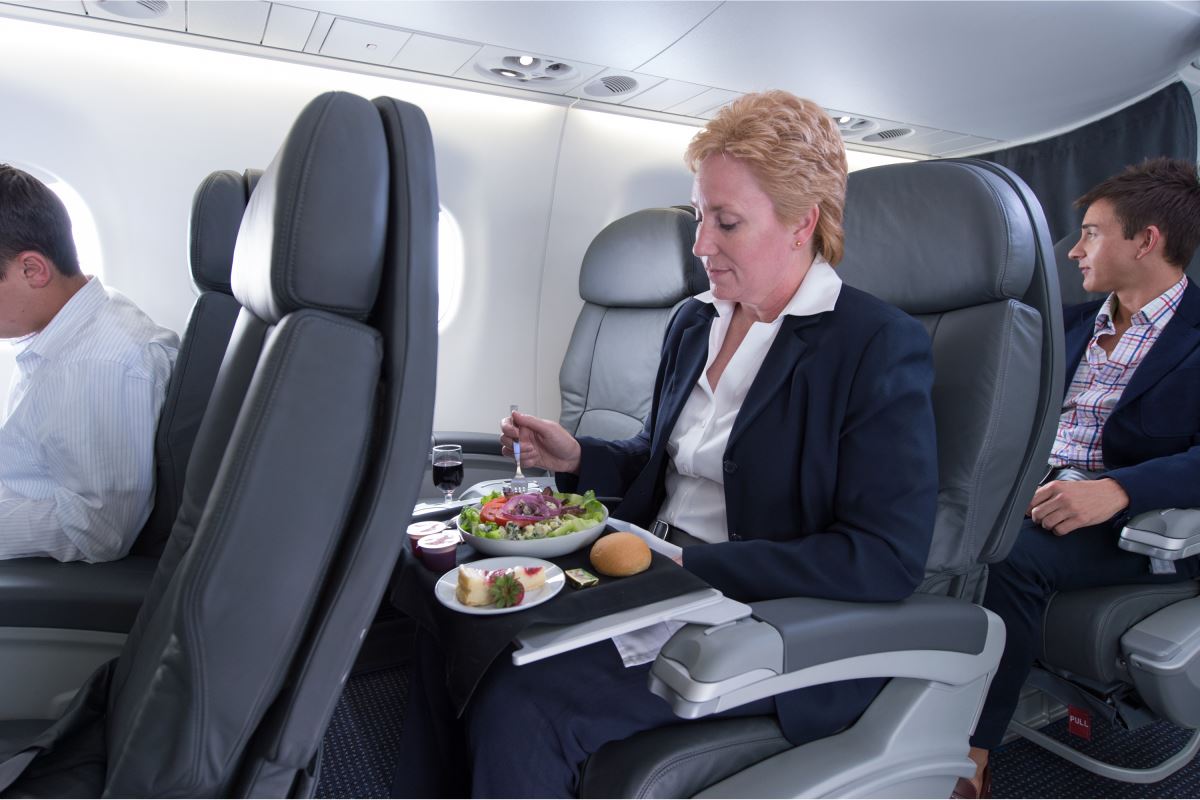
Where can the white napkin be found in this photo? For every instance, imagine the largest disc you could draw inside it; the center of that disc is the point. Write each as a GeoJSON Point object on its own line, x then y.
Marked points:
{"type": "Point", "coordinates": [642, 646]}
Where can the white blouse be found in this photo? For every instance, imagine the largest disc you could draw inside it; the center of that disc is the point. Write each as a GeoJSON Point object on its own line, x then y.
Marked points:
{"type": "Point", "coordinates": [695, 476]}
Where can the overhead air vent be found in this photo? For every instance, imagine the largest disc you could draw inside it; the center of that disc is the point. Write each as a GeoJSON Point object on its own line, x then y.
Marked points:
{"type": "Point", "coordinates": [526, 70]}
{"type": "Point", "coordinates": [611, 85]}
{"type": "Point", "coordinates": [135, 9]}
{"type": "Point", "coordinates": [852, 126]}
{"type": "Point", "coordinates": [888, 135]}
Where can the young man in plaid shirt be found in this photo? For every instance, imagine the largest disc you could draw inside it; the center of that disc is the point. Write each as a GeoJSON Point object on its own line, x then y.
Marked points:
{"type": "Point", "coordinates": [1129, 434]}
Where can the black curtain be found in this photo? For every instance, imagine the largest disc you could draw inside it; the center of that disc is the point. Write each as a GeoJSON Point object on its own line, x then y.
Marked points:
{"type": "Point", "coordinates": [1061, 169]}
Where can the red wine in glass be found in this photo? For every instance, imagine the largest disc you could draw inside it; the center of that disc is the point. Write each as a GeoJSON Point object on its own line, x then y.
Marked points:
{"type": "Point", "coordinates": [447, 468]}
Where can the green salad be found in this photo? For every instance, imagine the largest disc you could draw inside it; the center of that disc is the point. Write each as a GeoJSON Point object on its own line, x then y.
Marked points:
{"type": "Point", "coordinates": [533, 515]}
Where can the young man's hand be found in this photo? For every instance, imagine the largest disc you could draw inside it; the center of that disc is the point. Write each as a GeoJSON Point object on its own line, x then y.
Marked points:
{"type": "Point", "coordinates": [1065, 506]}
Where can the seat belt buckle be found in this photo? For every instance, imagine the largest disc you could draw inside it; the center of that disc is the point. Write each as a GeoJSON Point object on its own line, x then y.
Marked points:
{"type": "Point", "coordinates": [660, 529]}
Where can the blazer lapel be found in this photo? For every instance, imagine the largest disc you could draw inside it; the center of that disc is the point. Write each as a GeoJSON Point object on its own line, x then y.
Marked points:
{"type": "Point", "coordinates": [690, 360]}
{"type": "Point", "coordinates": [1178, 339]}
{"type": "Point", "coordinates": [776, 370]}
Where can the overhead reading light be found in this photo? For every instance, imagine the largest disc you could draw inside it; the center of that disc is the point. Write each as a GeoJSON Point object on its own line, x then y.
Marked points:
{"type": "Point", "coordinates": [135, 9]}
{"type": "Point", "coordinates": [848, 124]}
{"type": "Point", "coordinates": [525, 70]}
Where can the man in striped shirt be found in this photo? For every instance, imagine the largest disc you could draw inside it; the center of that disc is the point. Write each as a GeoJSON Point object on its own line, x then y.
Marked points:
{"type": "Point", "coordinates": [1128, 437]}
{"type": "Point", "coordinates": [77, 439]}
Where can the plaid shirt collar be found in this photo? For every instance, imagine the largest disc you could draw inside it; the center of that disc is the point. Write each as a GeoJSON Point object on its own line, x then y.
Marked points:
{"type": "Point", "coordinates": [1157, 313]}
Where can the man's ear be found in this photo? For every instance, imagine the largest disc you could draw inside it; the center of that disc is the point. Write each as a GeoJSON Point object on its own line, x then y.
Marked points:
{"type": "Point", "coordinates": [1148, 240]}
{"type": "Point", "coordinates": [33, 268]}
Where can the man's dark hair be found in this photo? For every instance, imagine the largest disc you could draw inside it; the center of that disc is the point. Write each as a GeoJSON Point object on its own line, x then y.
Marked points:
{"type": "Point", "coordinates": [33, 218]}
{"type": "Point", "coordinates": [1161, 191]}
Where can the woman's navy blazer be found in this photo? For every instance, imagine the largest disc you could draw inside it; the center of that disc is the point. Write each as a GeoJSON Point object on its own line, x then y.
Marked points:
{"type": "Point", "coordinates": [830, 471]}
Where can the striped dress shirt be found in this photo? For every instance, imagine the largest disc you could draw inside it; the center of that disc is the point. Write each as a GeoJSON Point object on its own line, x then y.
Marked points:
{"type": "Point", "coordinates": [77, 441]}
{"type": "Point", "coordinates": [1100, 379]}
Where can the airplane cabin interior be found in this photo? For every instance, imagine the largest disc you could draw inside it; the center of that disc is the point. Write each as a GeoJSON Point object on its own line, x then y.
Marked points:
{"type": "Point", "coordinates": [380, 228]}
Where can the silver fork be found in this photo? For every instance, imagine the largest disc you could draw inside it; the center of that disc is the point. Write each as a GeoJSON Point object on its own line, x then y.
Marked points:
{"type": "Point", "coordinates": [519, 482]}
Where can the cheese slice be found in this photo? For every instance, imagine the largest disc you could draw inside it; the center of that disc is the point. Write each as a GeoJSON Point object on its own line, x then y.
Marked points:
{"type": "Point", "coordinates": [474, 584]}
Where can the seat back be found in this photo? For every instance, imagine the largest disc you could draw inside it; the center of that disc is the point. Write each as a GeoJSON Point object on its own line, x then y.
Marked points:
{"type": "Point", "coordinates": [277, 465]}
{"type": "Point", "coordinates": [281, 757]}
{"type": "Point", "coordinates": [961, 246]}
{"type": "Point", "coordinates": [216, 216]}
{"type": "Point", "coordinates": [634, 275]}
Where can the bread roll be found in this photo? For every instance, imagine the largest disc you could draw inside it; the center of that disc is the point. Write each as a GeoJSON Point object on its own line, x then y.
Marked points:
{"type": "Point", "coordinates": [620, 554]}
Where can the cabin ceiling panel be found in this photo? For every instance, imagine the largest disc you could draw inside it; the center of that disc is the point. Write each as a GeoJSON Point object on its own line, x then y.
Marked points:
{"type": "Point", "coordinates": [434, 55]}
{"type": "Point", "coordinates": [999, 72]}
{"type": "Point", "coordinates": [357, 41]}
{"type": "Point", "coordinates": [622, 35]}
{"type": "Point", "coordinates": [667, 94]}
{"type": "Point", "coordinates": [69, 6]}
{"type": "Point", "coordinates": [230, 19]}
{"type": "Point", "coordinates": [997, 69]}
{"type": "Point", "coordinates": [288, 28]}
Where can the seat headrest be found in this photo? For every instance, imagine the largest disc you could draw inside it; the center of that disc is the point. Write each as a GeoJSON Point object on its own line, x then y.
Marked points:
{"type": "Point", "coordinates": [217, 209]}
{"type": "Point", "coordinates": [951, 235]}
{"type": "Point", "coordinates": [314, 231]}
{"type": "Point", "coordinates": [643, 260]}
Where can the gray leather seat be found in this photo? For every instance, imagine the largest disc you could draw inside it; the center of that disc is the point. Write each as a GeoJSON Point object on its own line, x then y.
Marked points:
{"type": "Point", "coordinates": [963, 246]}
{"type": "Point", "coordinates": [305, 463]}
{"type": "Point", "coordinates": [217, 209]}
{"type": "Point", "coordinates": [634, 275]}
{"type": "Point", "coordinates": [1093, 655]}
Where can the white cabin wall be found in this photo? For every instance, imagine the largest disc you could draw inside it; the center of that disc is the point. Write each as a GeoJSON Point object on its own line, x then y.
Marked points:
{"type": "Point", "coordinates": [609, 166]}
{"type": "Point", "coordinates": [135, 125]}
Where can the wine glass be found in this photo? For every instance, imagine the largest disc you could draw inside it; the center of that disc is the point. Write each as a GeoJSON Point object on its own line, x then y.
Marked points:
{"type": "Point", "coordinates": [447, 468]}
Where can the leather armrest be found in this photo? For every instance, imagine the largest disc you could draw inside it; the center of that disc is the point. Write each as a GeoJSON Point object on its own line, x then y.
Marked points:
{"type": "Point", "coordinates": [1167, 534]}
{"type": "Point", "coordinates": [795, 642]}
{"type": "Point", "coordinates": [44, 593]}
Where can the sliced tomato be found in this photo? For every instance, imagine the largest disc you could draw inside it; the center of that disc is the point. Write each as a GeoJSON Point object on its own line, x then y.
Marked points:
{"type": "Point", "coordinates": [491, 512]}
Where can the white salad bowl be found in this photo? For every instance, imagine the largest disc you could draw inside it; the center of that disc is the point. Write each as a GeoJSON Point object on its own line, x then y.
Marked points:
{"type": "Point", "coordinates": [549, 547]}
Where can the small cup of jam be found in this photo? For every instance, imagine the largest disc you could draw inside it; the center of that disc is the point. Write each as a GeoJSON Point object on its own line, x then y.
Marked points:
{"type": "Point", "coordinates": [420, 529]}
{"type": "Point", "coordinates": [438, 550]}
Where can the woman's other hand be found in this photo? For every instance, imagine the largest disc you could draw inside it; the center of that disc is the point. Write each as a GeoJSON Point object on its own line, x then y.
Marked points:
{"type": "Point", "coordinates": [544, 443]}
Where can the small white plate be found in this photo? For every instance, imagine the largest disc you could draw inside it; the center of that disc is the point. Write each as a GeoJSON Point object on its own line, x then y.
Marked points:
{"type": "Point", "coordinates": [444, 589]}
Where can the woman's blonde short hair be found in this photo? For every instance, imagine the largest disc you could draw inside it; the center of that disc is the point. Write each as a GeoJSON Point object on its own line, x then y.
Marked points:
{"type": "Point", "coordinates": [794, 150]}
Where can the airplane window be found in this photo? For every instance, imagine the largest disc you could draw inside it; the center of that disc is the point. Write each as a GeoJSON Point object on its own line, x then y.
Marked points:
{"type": "Point", "coordinates": [450, 267]}
{"type": "Point", "coordinates": [83, 227]}
{"type": "Point", "coordinates": [83, 224]}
